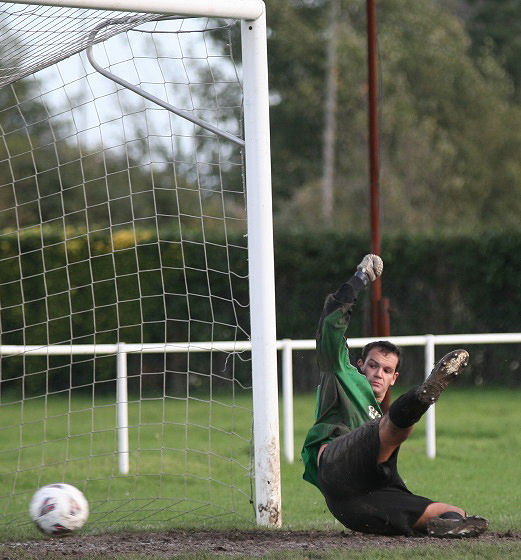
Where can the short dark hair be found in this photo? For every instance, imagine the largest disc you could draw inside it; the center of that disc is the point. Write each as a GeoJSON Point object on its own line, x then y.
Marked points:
{"type": "Point", "coordinates": [385, 346]}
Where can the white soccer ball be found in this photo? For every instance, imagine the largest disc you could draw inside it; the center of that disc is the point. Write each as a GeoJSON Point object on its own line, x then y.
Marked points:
{"type": "Point", "coordinates": [58, 509]}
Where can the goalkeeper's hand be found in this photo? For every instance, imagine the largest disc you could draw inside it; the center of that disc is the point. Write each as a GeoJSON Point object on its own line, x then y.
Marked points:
{"type": "Point", "coordinates": [372, 266]}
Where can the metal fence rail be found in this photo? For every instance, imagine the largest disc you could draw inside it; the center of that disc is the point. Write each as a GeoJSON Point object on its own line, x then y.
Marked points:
{"type": "Point", "coordinates": [286, 346]}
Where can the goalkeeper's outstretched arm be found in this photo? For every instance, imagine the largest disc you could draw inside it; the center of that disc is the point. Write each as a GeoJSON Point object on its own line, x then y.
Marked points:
{"type": "Point", "coordinates": [368, 270]}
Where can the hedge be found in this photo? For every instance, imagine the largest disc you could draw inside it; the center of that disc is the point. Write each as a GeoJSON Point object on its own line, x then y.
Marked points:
{"type": "Point", "coordinates": [141, 286]}
{"type": "Point", "coordinates": [436, 285]}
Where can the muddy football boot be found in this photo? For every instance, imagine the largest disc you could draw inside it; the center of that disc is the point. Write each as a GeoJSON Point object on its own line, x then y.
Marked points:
{"type": "Point", "coordinates": [471, 526]}
{"type": "Point", "coordinates": [445, 371]}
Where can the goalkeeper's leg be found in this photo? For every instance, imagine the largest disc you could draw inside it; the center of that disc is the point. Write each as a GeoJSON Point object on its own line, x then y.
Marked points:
{"type": "Point", "coordinates": [438, 519]}
{"type": "Point", "coordinates": [406, 410]}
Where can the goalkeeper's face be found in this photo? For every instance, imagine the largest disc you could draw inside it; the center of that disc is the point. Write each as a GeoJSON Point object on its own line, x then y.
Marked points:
{"type": "Point", "coordinates": [380, 369]}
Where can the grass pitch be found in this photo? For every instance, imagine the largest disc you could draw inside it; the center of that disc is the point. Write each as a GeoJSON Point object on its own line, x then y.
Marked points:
{"type": "Point", "coordinates": [477, 467]}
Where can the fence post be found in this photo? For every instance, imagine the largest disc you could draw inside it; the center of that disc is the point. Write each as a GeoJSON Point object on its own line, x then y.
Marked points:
{"type": "Point", "coordinates": [122, 409]}
{"type": "Point", "coordinates": [287, 397]}
{"type": "Point", "coordinates": [430, 416]}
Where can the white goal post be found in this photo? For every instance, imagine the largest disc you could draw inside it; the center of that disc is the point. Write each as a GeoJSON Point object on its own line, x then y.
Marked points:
{"type": "Point", "coordinates": [259, 221]}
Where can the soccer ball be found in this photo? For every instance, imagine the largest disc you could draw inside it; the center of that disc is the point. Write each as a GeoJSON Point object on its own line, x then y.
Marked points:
{"type": "Point", "coordinates": [57, 509]}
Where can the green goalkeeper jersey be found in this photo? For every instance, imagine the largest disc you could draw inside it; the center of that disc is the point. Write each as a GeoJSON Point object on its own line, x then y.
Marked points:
{"type": "Point", "coordinates": [344, 398]}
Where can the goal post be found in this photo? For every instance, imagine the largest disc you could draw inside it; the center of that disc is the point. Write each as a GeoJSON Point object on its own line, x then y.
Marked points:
{"type": "Point", "coordinates": [256, 154]}
{"type": "Point", "coordinates": [260, 233]}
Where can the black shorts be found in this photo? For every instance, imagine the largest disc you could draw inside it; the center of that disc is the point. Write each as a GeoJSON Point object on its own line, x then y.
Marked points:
{"type": "Point", "coordinates": [362, 494]}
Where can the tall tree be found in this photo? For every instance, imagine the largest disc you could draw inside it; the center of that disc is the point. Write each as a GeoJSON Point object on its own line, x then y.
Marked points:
{"type": "Point", "coordinates": [449, 132]}
{"type": "Point", "coordinates": [328, 148]}
{"type": "Point", "coordinates": [297, 58]}
{"type": "Point", "coordinates": [495, 27]}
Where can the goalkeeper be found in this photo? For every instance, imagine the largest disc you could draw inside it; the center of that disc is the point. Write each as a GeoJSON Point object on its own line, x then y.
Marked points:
{"type": "Point", "coordinates": [351, 451]}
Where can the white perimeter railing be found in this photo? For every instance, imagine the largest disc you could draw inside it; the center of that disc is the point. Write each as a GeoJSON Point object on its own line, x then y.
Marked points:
{"type": "Point", "coordinates": [286, 346]}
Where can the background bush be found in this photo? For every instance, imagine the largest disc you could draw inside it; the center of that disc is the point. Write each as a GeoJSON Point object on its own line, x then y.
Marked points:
{"type": "Point", "coordinates": [137, 293]}
{"type": "Point", "coordinates": [436, 285]}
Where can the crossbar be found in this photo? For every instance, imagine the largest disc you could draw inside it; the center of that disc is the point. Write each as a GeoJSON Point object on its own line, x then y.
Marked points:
{"type": "Point", "coordinates": [243, 9]}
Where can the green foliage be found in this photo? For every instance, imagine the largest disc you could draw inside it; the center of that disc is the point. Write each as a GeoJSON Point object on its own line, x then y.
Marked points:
{"type": "Point", "coordinates": [449, 129]}
{"type": "Point", "coordinates": [141, 286]}
{"type": "Point", "coordinates": [494, 26]}
{"type": "Point", "coordinates": [445, 114]}
{"type": "Point", "coordinates": [296, 63]}
{"type": "Point", "coordinates": [136, 286]}
{"type": "Point", "coordinates": [436, 284]}
{"type": "Point", "coordinates": [85, 274]}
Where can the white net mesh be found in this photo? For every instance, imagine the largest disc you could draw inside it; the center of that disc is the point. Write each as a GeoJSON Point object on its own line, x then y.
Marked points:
{"type": "Point", "coordinates": [34, 37]}
{"type": "Point", "coordinates": [120, 222]}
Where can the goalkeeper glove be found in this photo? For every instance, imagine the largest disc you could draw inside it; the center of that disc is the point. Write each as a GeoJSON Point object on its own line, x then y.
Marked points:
{"type": "Point", "coordinates": [371, 266]}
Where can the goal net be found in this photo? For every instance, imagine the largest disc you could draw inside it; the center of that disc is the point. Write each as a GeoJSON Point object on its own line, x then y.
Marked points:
{"type": "Point", "coordinates": [126, 302]}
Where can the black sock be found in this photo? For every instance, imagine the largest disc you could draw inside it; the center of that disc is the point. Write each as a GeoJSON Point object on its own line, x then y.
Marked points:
{"type": "Point", "coordinates": [451, 515]}
{"type": "Point", "coordinates": [407, 409]}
